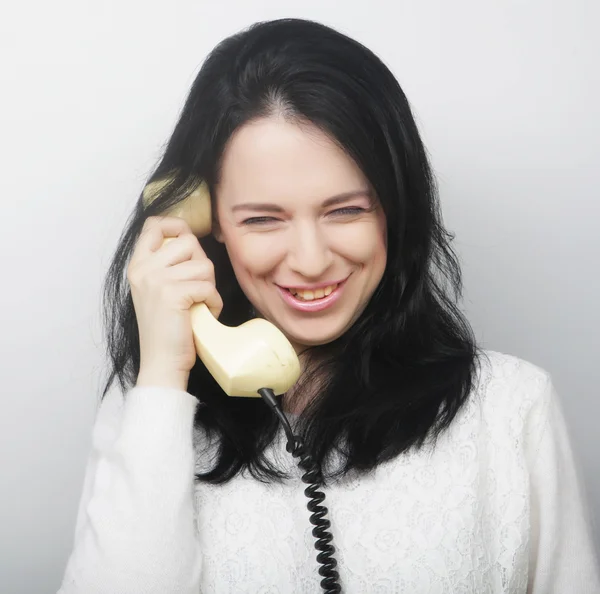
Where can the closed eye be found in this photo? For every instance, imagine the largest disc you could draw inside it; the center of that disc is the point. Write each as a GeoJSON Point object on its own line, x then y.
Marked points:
{"type": "Point", "coordinates": [258, 220]}
{"type": "Point", "coordinates": [348, 210]}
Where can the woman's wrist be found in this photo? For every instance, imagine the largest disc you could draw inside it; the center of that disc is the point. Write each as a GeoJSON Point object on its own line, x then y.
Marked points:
{"type": "Point", "coordinates": [177, 380]}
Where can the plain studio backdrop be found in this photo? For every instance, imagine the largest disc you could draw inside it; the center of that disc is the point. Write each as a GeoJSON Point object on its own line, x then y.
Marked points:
{"type": "Point", "coordinates": [506, 94]}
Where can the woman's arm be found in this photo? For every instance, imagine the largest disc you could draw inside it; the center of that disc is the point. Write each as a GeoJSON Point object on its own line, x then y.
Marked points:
{"type": "Point", "coordinates": [135, 531]}
{"type": "Point", "coordinates": [563, 557]}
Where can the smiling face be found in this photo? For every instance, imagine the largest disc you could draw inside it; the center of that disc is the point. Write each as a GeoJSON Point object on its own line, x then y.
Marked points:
{"type": "Point", "coordinates": [303, 230]}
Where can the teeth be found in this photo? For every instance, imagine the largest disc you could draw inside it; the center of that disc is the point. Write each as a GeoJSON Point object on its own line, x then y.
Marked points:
{"type": "Point", "coordinates": [312, 295]}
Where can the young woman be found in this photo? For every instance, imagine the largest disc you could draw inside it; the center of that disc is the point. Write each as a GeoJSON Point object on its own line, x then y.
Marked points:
{"type": "Point", "coordinates": [447, 468]}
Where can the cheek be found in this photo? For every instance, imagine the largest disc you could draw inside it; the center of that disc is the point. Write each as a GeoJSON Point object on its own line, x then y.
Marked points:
{"type": "Point", "coordinates": [379, 247]}
{"type": "Point", "coordinates": [253, 255]}
{"type": "Point", "coordinates": [369, 250]}
{"type": "Point", "coordinates": [364, 244]}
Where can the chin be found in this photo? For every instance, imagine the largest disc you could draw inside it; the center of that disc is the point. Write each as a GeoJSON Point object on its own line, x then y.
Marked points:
{"type": "Point", "coordinates": [312, 339]}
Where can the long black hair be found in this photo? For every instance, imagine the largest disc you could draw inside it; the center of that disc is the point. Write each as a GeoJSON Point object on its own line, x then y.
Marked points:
{"type": "Point", "coordinates": [401, 373]}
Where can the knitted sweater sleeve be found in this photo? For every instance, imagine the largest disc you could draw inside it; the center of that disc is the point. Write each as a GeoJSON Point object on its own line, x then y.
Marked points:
{"type": "Point", "coordinates": [563, 556]}
{"type": "Point", "coordinates": [135, 531]}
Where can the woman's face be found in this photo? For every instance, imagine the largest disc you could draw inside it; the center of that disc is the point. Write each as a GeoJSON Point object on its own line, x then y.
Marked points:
{"type": "Point", "coordinates": [304, 232]}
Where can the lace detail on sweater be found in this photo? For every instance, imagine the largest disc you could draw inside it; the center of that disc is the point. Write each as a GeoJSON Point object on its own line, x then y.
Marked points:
{"type": "Point", "coordinates": [453, 518]}
{"type": "Point", "coordinates": [494, 507]}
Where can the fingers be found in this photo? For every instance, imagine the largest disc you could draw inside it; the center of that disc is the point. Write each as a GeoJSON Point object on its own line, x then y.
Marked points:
{"type": "Point", "coordinates": [157, 230]}
{"type": "Point", "coordinates": [195, 280]}
{"type": "Point", "coordinates": [169, 273]}
{"type": "Point", "coordinates": [178, 249]}
{"type": "Point", "coordinates": [168, 257]}
{"type": "Point", "coordinates": [187, 293]}
{"type": "Point", "coordinates": [196, 269]}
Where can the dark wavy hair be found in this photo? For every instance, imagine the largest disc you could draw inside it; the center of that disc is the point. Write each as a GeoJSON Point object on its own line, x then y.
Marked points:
{"type": "Point", "coordinates": [401, 373]}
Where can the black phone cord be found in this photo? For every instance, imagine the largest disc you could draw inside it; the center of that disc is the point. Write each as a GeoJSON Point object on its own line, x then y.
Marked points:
{"type": "Point", "coordinates": [314, 479]}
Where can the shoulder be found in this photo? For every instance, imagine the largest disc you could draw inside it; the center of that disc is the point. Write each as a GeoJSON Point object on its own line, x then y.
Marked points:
{"type": "Point", "coordinates": [511, 395]}
{"type": "Point", "coordinates": [507, 377]}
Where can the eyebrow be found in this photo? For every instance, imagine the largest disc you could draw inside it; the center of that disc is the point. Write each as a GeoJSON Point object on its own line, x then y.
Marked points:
{"type": "Point", "coordinates": [333, 200]}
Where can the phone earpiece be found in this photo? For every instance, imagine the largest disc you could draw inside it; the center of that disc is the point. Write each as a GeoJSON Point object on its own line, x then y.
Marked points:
{"type": "Point", "coordinates": [195, 209]}
{"type": "Point", "coordinates": [243, 359]}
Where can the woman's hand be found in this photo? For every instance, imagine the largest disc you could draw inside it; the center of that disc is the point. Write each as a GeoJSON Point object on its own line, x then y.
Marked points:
{"type": "Point", "coordinates": [168, 273]}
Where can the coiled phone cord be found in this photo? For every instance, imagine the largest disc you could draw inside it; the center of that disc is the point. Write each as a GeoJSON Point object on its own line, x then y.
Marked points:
{"type": "Point", "coordinates": [314, 479]}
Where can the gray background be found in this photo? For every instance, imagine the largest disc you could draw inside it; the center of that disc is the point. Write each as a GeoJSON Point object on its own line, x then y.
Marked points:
{"type": "Point", "coordinates": [505, 92]}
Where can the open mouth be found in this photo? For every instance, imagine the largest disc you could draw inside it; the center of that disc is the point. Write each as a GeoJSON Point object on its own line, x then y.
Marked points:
{"type": "Point", "coordinates": [313, 295]}
{"type": "Point", "coordinates": [313, 300]}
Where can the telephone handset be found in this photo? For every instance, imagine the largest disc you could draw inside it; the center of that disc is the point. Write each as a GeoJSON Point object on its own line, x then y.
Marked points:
{"type": "Point", "coordinates": [242, 359]}
{"type": "Point", "coordinates": [254, 359]}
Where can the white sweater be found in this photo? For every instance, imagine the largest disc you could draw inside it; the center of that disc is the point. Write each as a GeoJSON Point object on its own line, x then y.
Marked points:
{"type": "Point", "coordinates": [495, 507]}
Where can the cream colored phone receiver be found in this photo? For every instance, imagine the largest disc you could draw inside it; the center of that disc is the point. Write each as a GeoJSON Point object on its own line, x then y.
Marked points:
{"type": "Point", "coordinates": [242, 359]}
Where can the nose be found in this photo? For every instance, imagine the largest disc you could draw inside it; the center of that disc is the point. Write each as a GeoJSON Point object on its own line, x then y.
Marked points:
{"type": "Point", "coordinates": [309, 254]}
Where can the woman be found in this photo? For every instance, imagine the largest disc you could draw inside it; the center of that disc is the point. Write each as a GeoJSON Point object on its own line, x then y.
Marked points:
{"type": "Point", "coordinates": [447, 468]}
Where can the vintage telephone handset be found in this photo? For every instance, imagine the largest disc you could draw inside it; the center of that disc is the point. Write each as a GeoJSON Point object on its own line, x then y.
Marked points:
{"type": "Point", "coordinates": [254, 360]}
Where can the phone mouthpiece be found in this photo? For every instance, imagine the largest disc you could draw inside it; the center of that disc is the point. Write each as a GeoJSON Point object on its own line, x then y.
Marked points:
{"type": "Point", "coordinates": [245, 358]}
